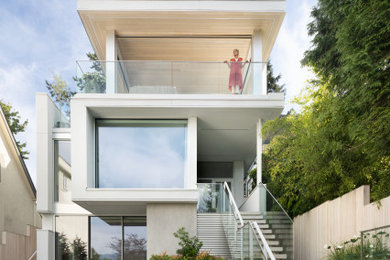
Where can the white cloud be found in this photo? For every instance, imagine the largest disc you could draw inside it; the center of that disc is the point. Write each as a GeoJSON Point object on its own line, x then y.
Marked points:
{"type": "Point", "coordinates": [17, 88]}
{"type": "Point", "coordinates": [37, 40]}
{"type": "Point", "coordinates": [290, 46]}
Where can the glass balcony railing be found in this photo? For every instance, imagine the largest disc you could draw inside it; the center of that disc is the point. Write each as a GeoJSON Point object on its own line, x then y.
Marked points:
{"type": "Point", "coordinates": [169, 77]}
{"type": "Point", "coordinates": [210, 198]}
{"type": "Point", "coordinates": [165, 77]}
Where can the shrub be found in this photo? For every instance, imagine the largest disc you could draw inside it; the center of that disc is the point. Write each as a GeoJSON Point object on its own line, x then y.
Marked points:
{"type": "Point", "coordinates": [163, 256]}
{"type": "Point", "coordinates": [190, 246]}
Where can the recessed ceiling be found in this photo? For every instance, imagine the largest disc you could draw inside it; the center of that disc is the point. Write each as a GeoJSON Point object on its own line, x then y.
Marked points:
{"type": "Point", "coordinates": [184, 32]}
{"type": "Point", "coordinates": [182, 49]}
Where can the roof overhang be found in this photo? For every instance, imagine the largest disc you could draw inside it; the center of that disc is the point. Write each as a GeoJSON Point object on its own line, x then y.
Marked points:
{"type": "Point", "coordinates": [191, 30]}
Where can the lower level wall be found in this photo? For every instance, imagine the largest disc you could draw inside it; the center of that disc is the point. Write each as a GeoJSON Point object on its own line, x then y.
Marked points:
{"type": "Point", "coordinates": [163, 219]}
{"type": "Point", "coordinates": [17, 246]}
{"type": "Point", "coordinates": [337, 221]}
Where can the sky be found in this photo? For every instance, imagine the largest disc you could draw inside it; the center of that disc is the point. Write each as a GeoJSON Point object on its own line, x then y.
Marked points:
{"type": "Point", "coordinates": [41, 38]}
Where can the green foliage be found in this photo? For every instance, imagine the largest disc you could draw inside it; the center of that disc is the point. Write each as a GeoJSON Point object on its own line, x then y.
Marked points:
{"type": "Point", "coordinates": [16, 124]}
{"type": "Point", "coordinates": [76, 250]}
{"type": "Point", "coordinates": [79, 249]}
{"type": "Point", "coordinates": [190, 246]}
{"type": "Point", "coordinates": [273, 84]}
{"type": "Point", "coordinates": [163, 256]}
{"type": "Point", "coordinates": [341, 138]}
{"type": "Point", "coordinates": [60, 93]}
{"type": "Point", "coordinates": [89, 82]}
{"type": "Point", "coordinates": [93, 81]}
{"type": "Point", "coordinates": [375, 246]}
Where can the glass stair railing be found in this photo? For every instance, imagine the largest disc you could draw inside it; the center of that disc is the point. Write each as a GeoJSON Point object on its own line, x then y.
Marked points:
{"type": "Point", "coordinates": [245, 240]}
{"type": "Point", "coordinates": [278, 221]}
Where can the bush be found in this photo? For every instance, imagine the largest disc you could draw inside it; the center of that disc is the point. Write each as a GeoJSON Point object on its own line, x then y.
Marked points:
{"type": "Point", "coordinates": [190, 246]}
{"type": "Point", "coordinates": [190, 249]}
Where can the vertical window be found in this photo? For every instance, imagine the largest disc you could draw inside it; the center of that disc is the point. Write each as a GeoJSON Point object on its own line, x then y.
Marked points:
{"type": "Point", "coordinates": [141, 153]}
{"type": "Point", "coordinates": [62, 171]}
{"type": "Point", "coordinates": [134, 237]}
{"type": "Point", "coordinates": [71, 238]}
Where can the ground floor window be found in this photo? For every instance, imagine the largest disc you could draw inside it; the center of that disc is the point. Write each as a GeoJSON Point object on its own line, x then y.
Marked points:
{"type": "Point", "coordinates": [71, 238]}
{"type": "Point", "coordinates": [100, 238]}
{"type": "Point", "coordinates": [114, 237]}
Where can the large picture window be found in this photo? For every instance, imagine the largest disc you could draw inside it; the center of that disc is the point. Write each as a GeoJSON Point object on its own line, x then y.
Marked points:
{"type": "Point", "coordinates": [141, 153]}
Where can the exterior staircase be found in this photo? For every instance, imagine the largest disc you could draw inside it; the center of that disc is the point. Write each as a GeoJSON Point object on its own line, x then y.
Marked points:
{"type": "Point", "coordinates": [276, 230]}
{"type": "Point", "coordinates": [212, 235]}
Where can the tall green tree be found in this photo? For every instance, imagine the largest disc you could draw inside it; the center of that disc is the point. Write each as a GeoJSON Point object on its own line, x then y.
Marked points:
{"type": "Point", "coordinates": [273, 84]}
{"type": "Point", "coordinates": [16, 124]}
{"type": "Point", "coordinates": [92, 81]}
{"type": "Point", "coordinates": [341, 139]}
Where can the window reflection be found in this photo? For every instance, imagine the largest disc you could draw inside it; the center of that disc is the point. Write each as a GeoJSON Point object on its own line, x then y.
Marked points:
{"type": "Point", "coordinates": [141, 153]}
{"type": "Point", "coordinates": [106, 237]}
{"type": "Point", "coordinates": [134, 238]}
{"type": "Point", "coordinates": [71, 237]}
{"type": "Point", "coordinates": [62, 172]}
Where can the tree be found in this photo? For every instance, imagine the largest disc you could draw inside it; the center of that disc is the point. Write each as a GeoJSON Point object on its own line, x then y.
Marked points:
{"type": "Point", "coordinates": [60, 93]}
{"type": "Point", "coordinates": [79, 249]}
{"type": "Point", "coordinates": [90, 82]}
{"type": "Point", "coordinates": [93, 81]}
{"type": "Point", "coordinates": [62, 250]}
{"type": "Point", "coordinates": [341, 139]}
{"type": "Point", "coordinates": [16, 124]}
{"type": "Point", "coordinates": [273, 84]}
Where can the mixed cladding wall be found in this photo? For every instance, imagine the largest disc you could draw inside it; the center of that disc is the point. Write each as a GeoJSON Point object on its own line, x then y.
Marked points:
{"type": "Point", "coordinates": [337, 221]}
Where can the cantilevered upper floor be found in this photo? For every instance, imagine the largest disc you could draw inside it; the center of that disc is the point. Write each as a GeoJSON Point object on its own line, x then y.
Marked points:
{"type": "Point", "coordinates": [181, 30]}
{"type": "Point", "coordinates": [178, 47]}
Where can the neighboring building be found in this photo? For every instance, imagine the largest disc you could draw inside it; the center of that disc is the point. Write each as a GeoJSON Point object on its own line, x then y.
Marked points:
{"type": "Point", "coordinates": [17, 197]}
{"type": "Point", "coordinates": [154, 131]}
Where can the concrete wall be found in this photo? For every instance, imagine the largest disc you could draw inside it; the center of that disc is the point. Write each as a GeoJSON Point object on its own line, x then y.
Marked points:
{"type": "Point", "coordinates": [252, 203]}
{"type": "Point", "coordinates": [163, 220]}
{"type": "Point", "coordinates": [337, 221]}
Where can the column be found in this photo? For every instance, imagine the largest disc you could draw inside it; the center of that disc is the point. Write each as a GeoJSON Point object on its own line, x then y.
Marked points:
{"type": "Point", "coordinates": [46, 238]}
{"type": "Point", "coordinates": [238, 182]}
{"type": "Point", "coordinates": [259, 85]}
{"type": "Point", "coordinates": [110, 62]}
{"type": "Point", "coordinates": [192, 153]}
{"type": "Point", "coordinates": [259, 151]}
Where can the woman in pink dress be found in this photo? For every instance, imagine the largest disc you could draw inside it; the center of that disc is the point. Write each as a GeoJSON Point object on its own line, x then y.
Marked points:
{"type": "Point", "coordinates": [235, 79]}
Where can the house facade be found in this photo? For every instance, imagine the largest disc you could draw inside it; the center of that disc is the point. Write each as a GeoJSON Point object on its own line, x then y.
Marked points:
{"type": "Point", "coordinates": [158, 137]}
{"type": "Point", "coordinates": [18, 212]}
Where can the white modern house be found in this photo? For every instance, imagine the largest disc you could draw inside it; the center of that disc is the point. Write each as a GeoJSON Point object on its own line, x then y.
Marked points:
{"type": "Point", "coordinates": [155, 141]}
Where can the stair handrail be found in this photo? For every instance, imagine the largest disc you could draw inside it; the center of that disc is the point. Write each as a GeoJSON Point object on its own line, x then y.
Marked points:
{"type": "Point", "coordinates": [32, 256]}
{"type": "Point", "coordinates": [233, 204]}
{"type": "Point", "coordinates": [277, 202]}
{"type": "Point", "coordinates": [263, 240]}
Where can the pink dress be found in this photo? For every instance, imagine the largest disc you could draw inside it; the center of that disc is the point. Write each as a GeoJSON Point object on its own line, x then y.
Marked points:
{"type": "Point", "coordinates": [235, 78]}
